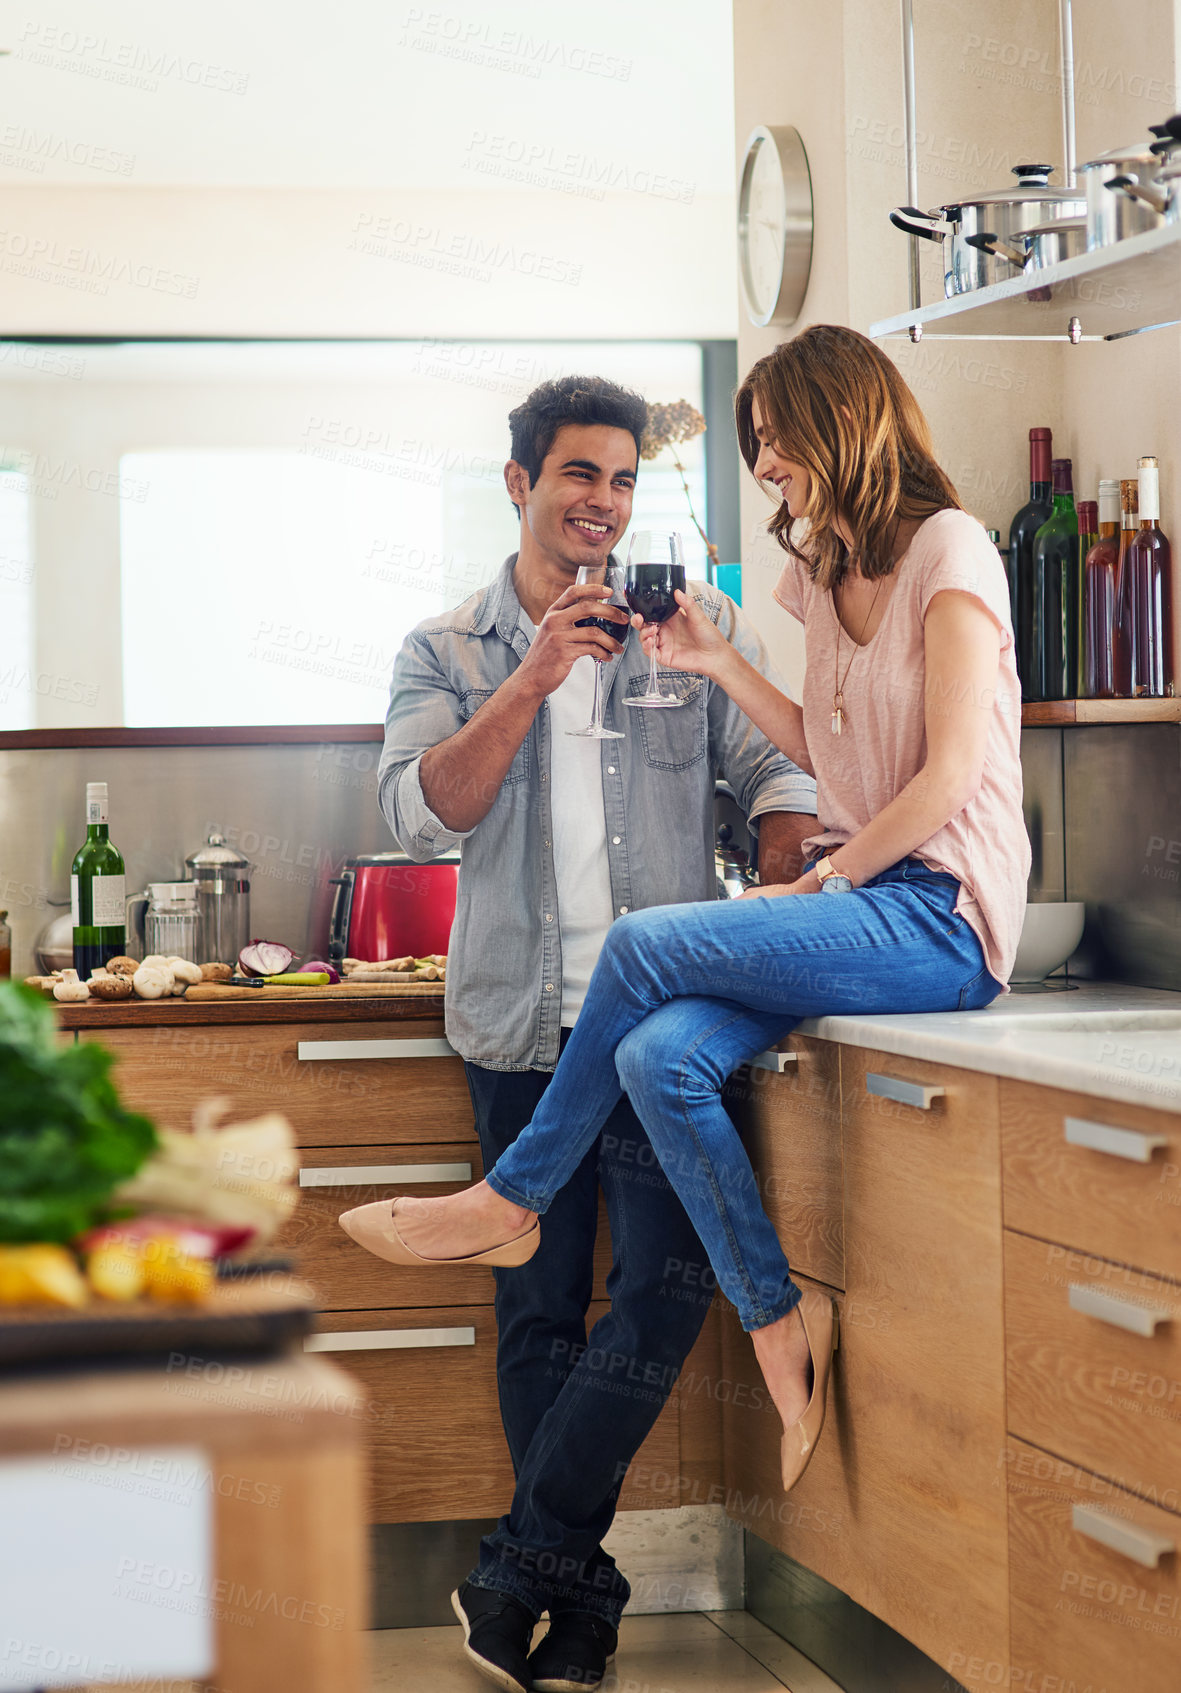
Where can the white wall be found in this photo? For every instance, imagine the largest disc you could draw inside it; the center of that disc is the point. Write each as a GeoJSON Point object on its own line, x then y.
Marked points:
{"type": "Point", "coordinates": [488, 168]}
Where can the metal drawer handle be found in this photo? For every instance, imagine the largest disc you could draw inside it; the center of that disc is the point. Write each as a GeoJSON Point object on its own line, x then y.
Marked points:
{"type": "Point", "coordinates": [346, 1050]}
{"type": "Point", "coordinates": [903, 1093]}
{"type": "Point", "coordinates": [1120, 1313]}
{"type": "Point", "coordinates": [387, 1340]}
{"type": "Point", "coordinates": [1120, 1143]}
{"type": "Point", "coordinates": [777, 1061]}
{"type": "Point", "coordinates": [1142, 1545]}
{"type": "Point", "coordinates": [379, 1175]}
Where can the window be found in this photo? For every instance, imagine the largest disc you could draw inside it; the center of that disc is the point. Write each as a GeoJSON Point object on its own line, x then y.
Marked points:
{"type": "Point", "coordinates": [278, 542]}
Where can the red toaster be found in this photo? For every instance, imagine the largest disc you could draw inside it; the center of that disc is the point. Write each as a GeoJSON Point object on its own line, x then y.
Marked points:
{"type": "Point", "coordinates": [387, 906]}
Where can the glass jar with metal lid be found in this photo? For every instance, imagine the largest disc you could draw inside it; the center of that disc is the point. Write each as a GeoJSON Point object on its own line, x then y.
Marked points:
{"type": "Point", "coordinates": [222, 877]}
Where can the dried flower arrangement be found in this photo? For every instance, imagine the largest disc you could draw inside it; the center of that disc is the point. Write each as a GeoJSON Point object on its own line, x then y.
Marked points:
{"type": "Point", "coordinates": [668, 425]}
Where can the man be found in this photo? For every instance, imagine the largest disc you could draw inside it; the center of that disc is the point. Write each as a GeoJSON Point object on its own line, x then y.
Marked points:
{"type": "Point", "coordinates": [560, 835]}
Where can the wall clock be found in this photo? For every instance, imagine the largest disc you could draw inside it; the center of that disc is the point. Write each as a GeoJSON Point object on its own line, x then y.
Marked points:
{"type": "Point", "coordinates": [774, 224]}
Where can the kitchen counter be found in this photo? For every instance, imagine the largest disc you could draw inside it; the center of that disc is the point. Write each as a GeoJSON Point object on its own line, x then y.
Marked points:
{"type": "Point", "coordinates": [1105, 1039]}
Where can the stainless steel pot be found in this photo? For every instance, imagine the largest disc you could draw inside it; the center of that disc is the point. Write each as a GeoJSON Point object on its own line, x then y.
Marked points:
{"type": "Point", "coordinates": [1003, 217]}
{"type": "Point", "coordinates": [1116, 206]}
{"type": "Point", "coordinates": [1162, 195]}
{"type": "Point", "coordinates": [1050, 243]}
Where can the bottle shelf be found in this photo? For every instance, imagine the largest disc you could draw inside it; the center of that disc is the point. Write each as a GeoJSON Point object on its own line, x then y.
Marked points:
{"type": "Point", "coordinates": [1114, 291]}
{"type": "Point", "coordinates": [1063, 713]}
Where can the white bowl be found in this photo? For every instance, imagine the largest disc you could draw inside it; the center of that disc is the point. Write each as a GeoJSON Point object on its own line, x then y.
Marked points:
{"type": "Point", "coordinates": [1049, 934]}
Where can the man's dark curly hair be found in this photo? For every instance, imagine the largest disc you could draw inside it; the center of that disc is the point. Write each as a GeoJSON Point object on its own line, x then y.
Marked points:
{"type": "Point", "coordinates": [571, 399]}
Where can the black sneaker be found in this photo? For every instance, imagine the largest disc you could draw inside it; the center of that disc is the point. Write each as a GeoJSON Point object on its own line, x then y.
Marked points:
{"type": "Point", "coordinates": [575, 1653]}
{"type": "Point", "coordinates": [496, 1635]}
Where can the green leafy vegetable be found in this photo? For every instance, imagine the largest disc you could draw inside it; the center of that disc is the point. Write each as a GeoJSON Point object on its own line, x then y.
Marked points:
{"type": "Point", "coordinates": [65, 1139]}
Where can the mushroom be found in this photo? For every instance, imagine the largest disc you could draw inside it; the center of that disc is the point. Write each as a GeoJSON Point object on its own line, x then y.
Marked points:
{"type": "Point", "coordinates": [184, 973]}
{"type": "Point", "coordinates": [45, 984]}
{"type": "Point", "coordinates": [107, 985]}
{"type": "Point", "coordinates": [217, 972]}
{"type": "Point", "coordinates": [151, 981]}
{"type": "Point", "coordinates": [122, 966]}
{"type": "Point", "coordinates": [70, 987]}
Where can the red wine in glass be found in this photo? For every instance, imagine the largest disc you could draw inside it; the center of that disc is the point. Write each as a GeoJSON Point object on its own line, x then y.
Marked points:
{"type": "Point", "coordinates": [649, 589]}
{"type": "Point", "coordinates": [655, 569]}
{"type": "Point", "coordinates": [611, 577]}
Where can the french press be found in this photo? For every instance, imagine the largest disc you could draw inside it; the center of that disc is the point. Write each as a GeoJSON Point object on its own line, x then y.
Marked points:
{"type": "Point", "coordinates": [222, 878]}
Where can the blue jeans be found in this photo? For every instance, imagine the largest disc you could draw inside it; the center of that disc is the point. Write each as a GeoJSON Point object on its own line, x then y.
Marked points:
{"type": "Point", "coordinates": [574, 1410]}
{"type": "Point", "coordinates": [683, 994]}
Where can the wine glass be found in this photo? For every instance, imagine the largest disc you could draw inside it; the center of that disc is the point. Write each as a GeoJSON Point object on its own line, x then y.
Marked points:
{"type": "Point", "coordinates": [611, 577]}
{"type": "Point", "coordinates": [655, 568]}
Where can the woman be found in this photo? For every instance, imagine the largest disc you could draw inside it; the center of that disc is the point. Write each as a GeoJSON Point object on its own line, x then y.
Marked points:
{"type": "Point", "coordinates": [910, 723]}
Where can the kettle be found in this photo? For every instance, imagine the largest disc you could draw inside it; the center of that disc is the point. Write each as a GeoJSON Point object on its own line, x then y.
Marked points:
{"type": "Point", "coordinates": [222, 879]}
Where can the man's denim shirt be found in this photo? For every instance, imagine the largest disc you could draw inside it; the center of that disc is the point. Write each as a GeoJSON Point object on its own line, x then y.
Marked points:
{"type": "Point", "coordinates": [504, 967]}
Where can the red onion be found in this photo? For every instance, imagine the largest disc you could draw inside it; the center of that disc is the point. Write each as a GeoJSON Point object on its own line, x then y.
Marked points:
{"type": "Point", "coordinates": [265, 958]}
{"type": "Point", "coordinates": [310, 964]}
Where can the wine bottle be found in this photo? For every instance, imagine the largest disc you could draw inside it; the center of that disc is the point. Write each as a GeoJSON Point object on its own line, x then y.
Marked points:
{"type": "Point", "coordinates": [1150, 568]}
{"type": "Point", "coordinates": [1129, 502]}
{"type": "Point", "coordinates": [96, 890]}
{"type": "Point", "coordinates": [1099, 576]}
{"type": "Point", "coordinates": [1022, 530]}
{"type": "Point", "coordinates": [1055, 593]}
{"type": "Point", "coordinates": [1088, 536]}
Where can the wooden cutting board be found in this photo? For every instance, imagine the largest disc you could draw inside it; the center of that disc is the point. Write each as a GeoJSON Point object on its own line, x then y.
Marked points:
{"type": "Point", "coordinates": [338, 990]}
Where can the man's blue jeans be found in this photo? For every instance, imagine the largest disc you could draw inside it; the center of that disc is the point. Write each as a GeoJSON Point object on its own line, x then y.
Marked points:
{"type": "Point", "coordinates": [576, 1411]}
{"type": "Point", "coordinates": [684, 994]}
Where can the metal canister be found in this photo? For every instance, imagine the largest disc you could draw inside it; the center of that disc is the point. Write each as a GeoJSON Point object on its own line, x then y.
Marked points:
{"type": "Point", "coordinates": [222, 876]}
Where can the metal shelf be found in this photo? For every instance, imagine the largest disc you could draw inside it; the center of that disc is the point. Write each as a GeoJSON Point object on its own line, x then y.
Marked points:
{"type": "Point", "coordinates": [1114, 291]}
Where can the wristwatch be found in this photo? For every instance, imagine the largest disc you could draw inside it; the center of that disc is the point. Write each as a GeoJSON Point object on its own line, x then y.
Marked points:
{"type": "Point", "coordinates": [830, 879]}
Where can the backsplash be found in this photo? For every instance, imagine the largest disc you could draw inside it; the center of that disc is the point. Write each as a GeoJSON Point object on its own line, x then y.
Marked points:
{"type": "Point", "coordinates": [1102, 805]}
{"type": "Point", "coordinates": [296, 811]}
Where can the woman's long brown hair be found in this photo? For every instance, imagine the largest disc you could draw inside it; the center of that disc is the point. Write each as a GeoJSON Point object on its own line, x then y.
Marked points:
{"type": "Point", "coordinates": [833, 402]}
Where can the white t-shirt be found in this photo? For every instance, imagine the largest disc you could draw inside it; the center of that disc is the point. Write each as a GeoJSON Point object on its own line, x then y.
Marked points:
{"type": "Point", "coordinates": [580, 832]}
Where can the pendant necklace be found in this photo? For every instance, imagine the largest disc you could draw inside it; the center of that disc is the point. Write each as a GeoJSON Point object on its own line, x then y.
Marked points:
{"type": "Point", "coordinates": [838, 697]}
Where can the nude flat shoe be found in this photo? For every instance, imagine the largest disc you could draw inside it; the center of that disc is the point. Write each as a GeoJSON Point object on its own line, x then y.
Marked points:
{"type": "Point", "coordinates": [799, 1442]}
{"type": "Point", "coordinates": [373, 1227]}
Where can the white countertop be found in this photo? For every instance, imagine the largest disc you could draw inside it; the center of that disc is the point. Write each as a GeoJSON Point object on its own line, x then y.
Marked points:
{"type": "Point", "coordinates": [1103, 1038]}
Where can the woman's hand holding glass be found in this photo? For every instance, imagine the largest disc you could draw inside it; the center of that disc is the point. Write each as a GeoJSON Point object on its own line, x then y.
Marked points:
{"type": "Point", "coordinates": [688, 640]}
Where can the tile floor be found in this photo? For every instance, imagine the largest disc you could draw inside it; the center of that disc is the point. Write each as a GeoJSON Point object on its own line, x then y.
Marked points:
{"type": "Point", "coordinates": [714, 1652]}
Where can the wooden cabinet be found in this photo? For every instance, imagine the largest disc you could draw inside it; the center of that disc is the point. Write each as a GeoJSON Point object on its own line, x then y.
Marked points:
{"type": "Point", "coordinates": [1096, 1581]}
{"type": "Point", "coordinates": [903, 1506]}
{"type": "Point", "coordinates": [330, 1081]}
{"type": "Point", "coordinates": [427, 1401]}
{"type": "Point", "coordinates": [1094, 1364]}
{"type": "Point", "coordinates": [1092, 1311]}
{"type": "Point", "coordinates": [791, 1128]}
{"type": "Point", "coordinates": [382, 1109]}
{"type": "Point", "coordinates": [999, 1478]}
{"type": "Point", "coordinates": [1093, 1174]}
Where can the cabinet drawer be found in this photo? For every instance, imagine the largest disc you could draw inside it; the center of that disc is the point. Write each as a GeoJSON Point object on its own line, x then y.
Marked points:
{"type": "Point", "coordinates": [1093, 1355]}
{"type": "Point", "coordinates": [1099, 1195]}
{"type": "Point", "coordinates": [346, 1277]}
{"type": "Point", "coordinates": [1085, 1614]}
{"type": "Point", "coordinates": [426, 1394]}
{"type": "Point", "coordinates": [337, 1101]}
{"type": "Point", "coordinates": [791, 1127]}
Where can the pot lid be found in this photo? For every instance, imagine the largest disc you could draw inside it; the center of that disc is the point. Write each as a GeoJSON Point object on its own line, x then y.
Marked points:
{"type": "Point", "coordinates": [1032, 187]}
{"type": "Point", "coordinates": [1135, 153]}
{"type": "Point", "coordinates": [216, 855]}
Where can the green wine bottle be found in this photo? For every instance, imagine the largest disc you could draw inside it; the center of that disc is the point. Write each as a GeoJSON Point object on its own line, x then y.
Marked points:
{"type": "Point", "coordinates": [96, 890]}
{"type": "Point", "coordinates": [1056, 599]}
